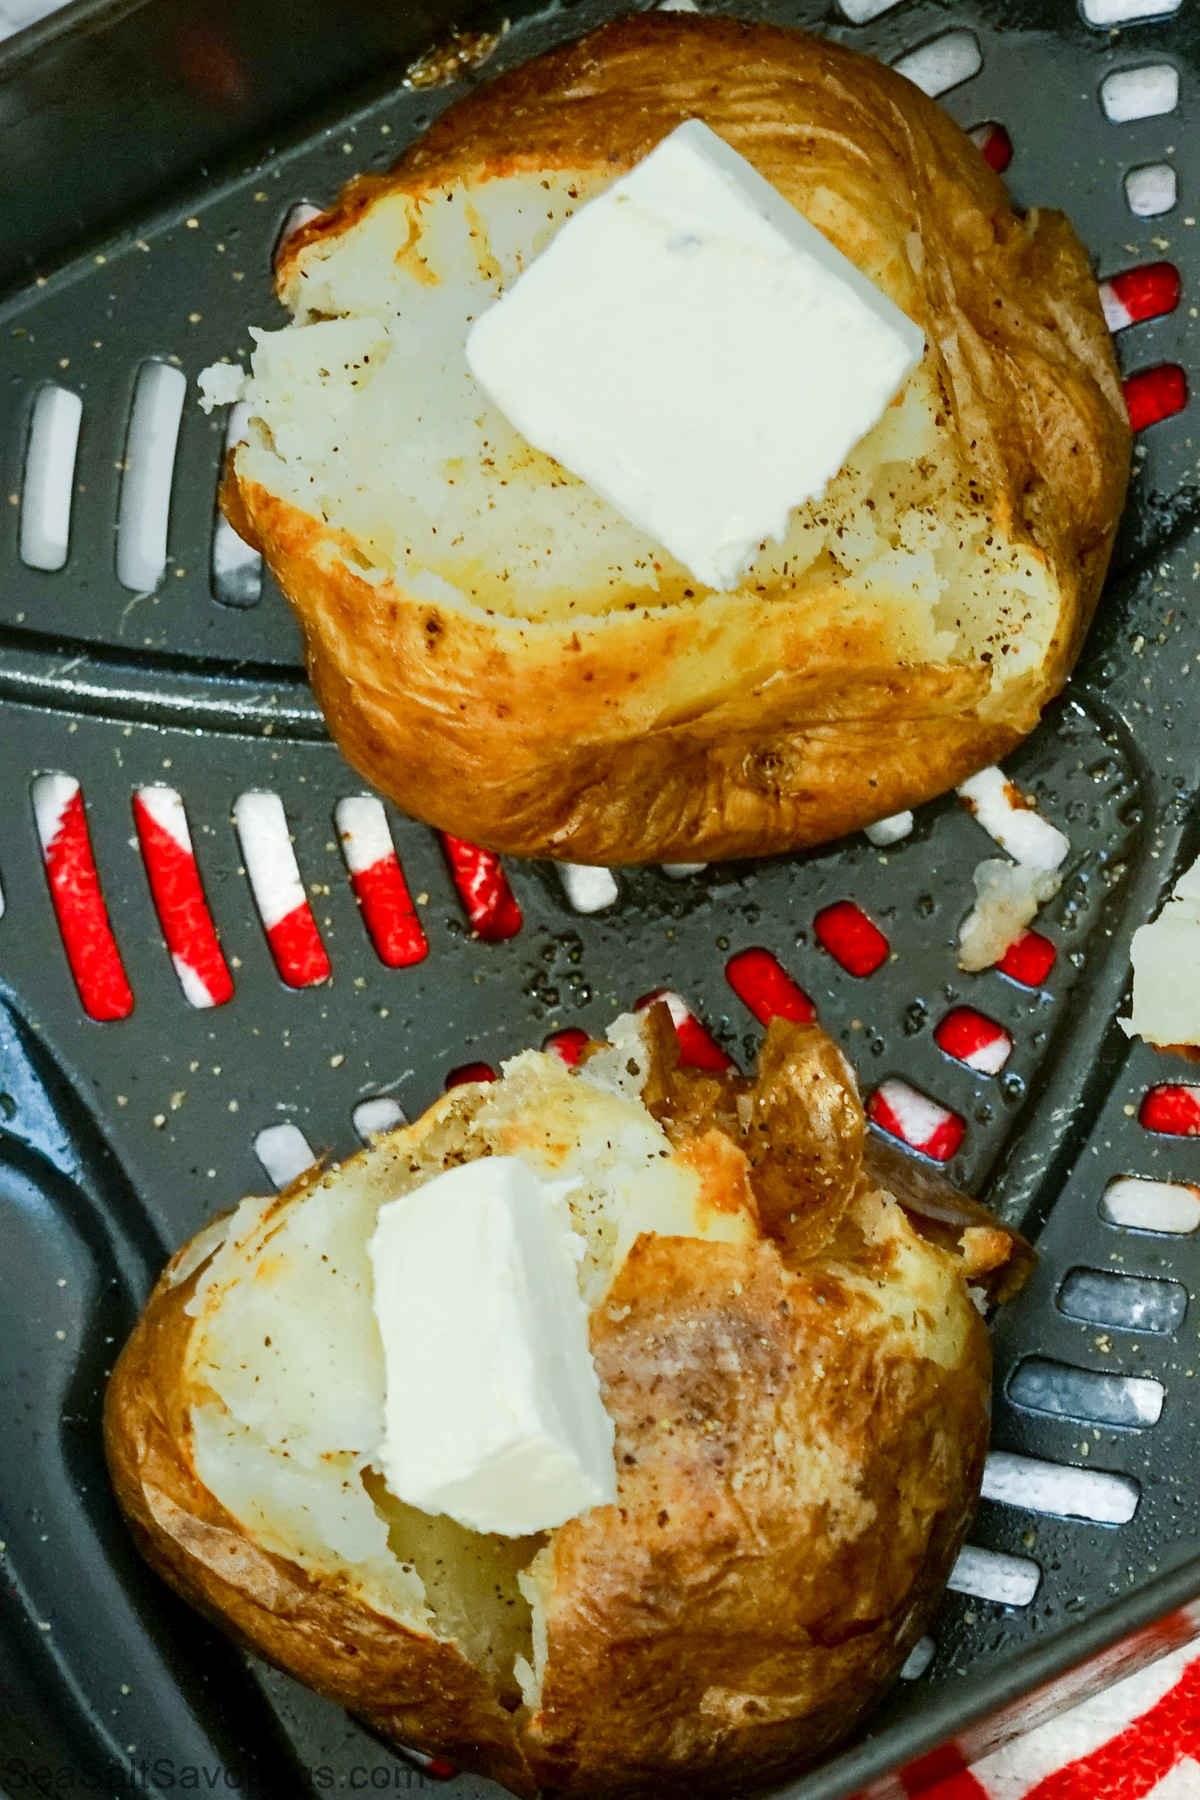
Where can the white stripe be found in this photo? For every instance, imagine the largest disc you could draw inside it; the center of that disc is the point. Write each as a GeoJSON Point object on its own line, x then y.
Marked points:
{"type": "Point", "coordinates": [284, 1152]}
{"type": "Point", "coordinates": [917, 1115]}
{"type": "Point", "coordinates": [236, 568]}
{"type": "Point", "coordinates": [49, 480]}
{"type": "Point", "coordinates": [150, 448]}
{"type": "Point", "coordinates": [919, 1659]}
{"type": "Point", "coordinates": [1026, 836]}
{"type": "Point", "coordinates": [1068, 1493]}
{"type": "Point", "coordinates": [1127, 12]}
{"type": "Point", "coordinates": [363, 830]}
{"type": "Point", "coordinates": [1183, 1783]}
{"type": "Point", "coordinates": [676, 1005]}
{"type": "Point", "coordinates": [889, 831]}
{"type": "Point", "coordinates": [680, 871]}
{"type": "Point", "coordinates": [165, 807]}
{"type": "Point", "coordinates": [1143, 93]}
{"type": "Point", "coordinates": [1151, 1205]}
{"type": "Point", "coordinates": [991, 1575]}
{"type": "Point", "coordinates": [860, 12]}
{"type": "Point", "coordinates": [943, 64]}
{"type": "Point", "coordinates": [588, 888]}
{"type": "Point", "coordinates": [991, 1057]}
{"type": "Point", "coordinates": [1116, 314]}
{"type": "Point", "coordinates": [381, 1113]}
{"type": "Point", "coordinates": [1151, 190]}
{"type": "Point", "coordinates": [267, 852]}
{"type": "Point", "coordinates": [195, 991]}
{"type": "Point", "coordinates": [52, 794]}
{"type": "Point", "coordinates": [1009, 1773]}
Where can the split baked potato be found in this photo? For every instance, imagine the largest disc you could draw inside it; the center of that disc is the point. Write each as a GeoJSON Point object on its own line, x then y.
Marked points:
{"type": "Point", "coordinates": [506, 656]}
{"type": "Point", "coordinates": [795, 1365]}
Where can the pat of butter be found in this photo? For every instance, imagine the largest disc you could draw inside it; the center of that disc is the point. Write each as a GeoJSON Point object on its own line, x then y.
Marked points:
{"type": "Point", "coordinates": [493, 1412]}
{"type": "Point", "coordinates": [697, 351]}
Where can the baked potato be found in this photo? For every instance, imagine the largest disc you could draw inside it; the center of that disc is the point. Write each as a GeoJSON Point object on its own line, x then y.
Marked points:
{"type": "Point", "coordinates": [798, 1376]}
{"type": "Point", "coordinates": [507, 657]}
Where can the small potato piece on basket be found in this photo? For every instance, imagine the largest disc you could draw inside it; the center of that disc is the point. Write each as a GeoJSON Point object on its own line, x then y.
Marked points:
{"type": "Point", "coordinates": [799, 1394]}
{"type": "Point", "coordinates": [509, 658]}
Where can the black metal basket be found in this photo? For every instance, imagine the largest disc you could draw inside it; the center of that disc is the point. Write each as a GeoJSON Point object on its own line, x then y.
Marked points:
{"type": "Point", "coordinates": [139, 203]}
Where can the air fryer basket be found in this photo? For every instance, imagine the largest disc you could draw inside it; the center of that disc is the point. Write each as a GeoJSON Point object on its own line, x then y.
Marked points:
{"type": "Point", "coordinates": [118, 1138]}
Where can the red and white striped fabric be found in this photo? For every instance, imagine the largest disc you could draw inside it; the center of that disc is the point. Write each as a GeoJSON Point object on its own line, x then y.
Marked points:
{"type": "Point", "coordinates": [378, 882]}
{"type": "Point", "coordinates": [79, 907]}
{"type": "Point", "coordinates": [490, 904]}
{"type": "Point", "coordinates": [971, 1038]}
{"type": "Point", "coordinates": [279, 895]}
{"type": "Point", "coordinates": [1138, 1740]}
{"type": "Point", "coordinates": [921, 1123]}
{"type": "Point", "coordinates": [178, 896]}
{"type": "Point", "coordinates": [698, 1049]}
{"type": "Point", "coordinates": [1140, 294]}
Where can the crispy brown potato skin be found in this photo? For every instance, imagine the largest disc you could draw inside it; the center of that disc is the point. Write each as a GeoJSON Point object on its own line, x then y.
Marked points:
{"type": "Point", "coordinates": [563, 741]}
{"type": "Point", "coordinates": [734, 1615]}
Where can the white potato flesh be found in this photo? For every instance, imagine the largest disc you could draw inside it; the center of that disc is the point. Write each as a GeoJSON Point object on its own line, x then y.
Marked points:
{"type": "Point", "coordinates": [369, 419]}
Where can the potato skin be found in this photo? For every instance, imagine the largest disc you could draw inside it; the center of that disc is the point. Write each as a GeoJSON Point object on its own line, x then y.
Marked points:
{"type": "Point", "coordinates": [414, 1689]}
{"type": "Point", "coordinates": [710, 1627]}
{"type": "Point", "coordinates": [735, 1633]}
{"type": "Point", "coordinates": [741, 727]}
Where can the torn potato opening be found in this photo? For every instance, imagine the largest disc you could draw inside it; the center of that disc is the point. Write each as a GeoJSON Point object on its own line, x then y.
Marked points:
{"type": "Point", "coordinates": [365, 416]}
{"type": "Point", "coordinates": [284, 1369]}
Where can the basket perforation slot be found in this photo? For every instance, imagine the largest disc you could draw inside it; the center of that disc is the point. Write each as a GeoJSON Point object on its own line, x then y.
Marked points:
{"type": "Point", "coordinates": [1134, 1203]}
{"type": "Point", "coordinates": [1123, 1302]}
{"type": "Point", "coordinates": [698, 1048]}
{"type": "Point", "coordinates": [488, 901]}
{"type": "Point", "coordinates": [236, 570]}
{"type": "Point", "coordinates": [1149, 291]}
{"type": "Point", "coordinates": [1104, 14]}
{"type": "Point", "coordinates": [922, 1123]}
{"type": "Point", "coordinates": [284, 1152]}
{"type": "Point", "coordinates": [149, 475]}
{"type": "Point", "coordinates": [996, 146]}
{"type": "Point", "coordinates": [851, 938]}
{"type": "Point", "coordinates": [588, 887]}
{"type": "Point", "coordinates": [945, 62]}
{"type": "Point", "coordinates": [468, 1072]}
{"type": "Point", "coordinates": [1041, 1385]}
{"type": "Point", "coordinates": [278, 891]}
{"type": "Point", "coordinates": [78, 901]}
{"type": "Point", "coordinates": [1155, 394]}
{"type": "Point", "coordinates": [376, 1115]}
{"type": "Point", "coordinates": [1060, 1489]}
{"type": "Point", "coordinates": [762, 983]}
{"type": "Point", "coordinates": [47, 488]}
{"type": "Point", "coordinates": [972, 1038]}
{"type": "Point", "coordinates": [298, 214]}
{"type": "Point", "coordinates": [178, 894]}
{"type": "Point", "coordinates": [1151, 189]}
{"type": "Point", "coordinates": [1029, 960]}
{"type": "Point", "coordinates": [994, 1575]}
{"type": "Point", "coordinates": [1172, 1109]}
{"type": "Point", "coordinates": [378, 882]}
{"type": "Point", "coordinates": [1144, 92]}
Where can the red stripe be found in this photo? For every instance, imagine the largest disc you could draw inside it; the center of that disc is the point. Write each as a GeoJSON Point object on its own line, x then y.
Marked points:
{"type": "Point", "coordinates": [1148, 292]}
{"type": "Point", "coordinates": [964, 1032]}
{"type": "Point", "coordinates": [83, 918]}
{"type": "Point", "coordinates": [483, 888]}
{"type": "Point", "coordinates": [943, 1142]}
{"type": "Point", "coordinates": [179, 902]}
{"type": "Point", "coordinates": [297, 948]}
{"type": "Point", "coordinates": [1174, 1110]}
{"type": "Point", "coordinates": [851, 938]}
{"type": "Point", "coordinates": [388, 913]}
{"type": "Point", "coordinates": [1155, 394]}
{"type": "Point", "coordinates": [698, 1049]}
{"type": "Point", "coordinates": [1130, 1764]}
{"type": "Point", "coordinates": [474, 1071]}
{"type": "Point", "coordinates": [567, 1045]}
{"type": "Point", "coordinates": [1029, 960]}
{"type": "Point", "coordinates": [760, 980]}
{"type": "Point", "coordinates": [995, 145]}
